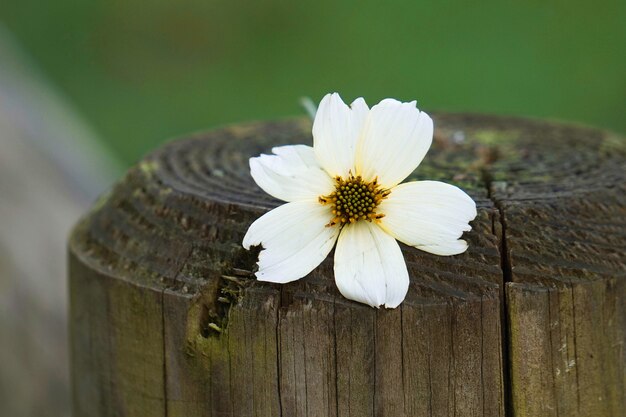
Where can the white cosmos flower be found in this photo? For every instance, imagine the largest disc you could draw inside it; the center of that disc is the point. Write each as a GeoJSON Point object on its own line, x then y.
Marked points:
{"type": "Point", "coordinates": [346, 189]}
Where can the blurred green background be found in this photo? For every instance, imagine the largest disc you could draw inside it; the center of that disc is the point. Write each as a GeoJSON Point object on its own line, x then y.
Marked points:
{"type": "Point", "coordinates": [141, 72]}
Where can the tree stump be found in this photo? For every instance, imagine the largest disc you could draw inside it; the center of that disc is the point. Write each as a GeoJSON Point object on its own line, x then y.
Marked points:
{"type": "Point", "coordinates": [167, 319]}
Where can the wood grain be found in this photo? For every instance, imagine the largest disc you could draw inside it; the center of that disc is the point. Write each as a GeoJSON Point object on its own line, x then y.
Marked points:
{"type": "Point", "coordinates": [195, 335]}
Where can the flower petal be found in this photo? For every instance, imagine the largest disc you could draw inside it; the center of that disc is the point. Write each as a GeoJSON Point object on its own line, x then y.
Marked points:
{"type": "Point", "coordinates": [291, 174]}
{"type": "Point", "coordinates": [295, 240]}
{"type": "Point", "coordinates": [394, 141]}
{"type": "Point", "coordinates": [335, 132]}
{"type": "Point", "coordinates": [369, 266]}
{"type": "Point", "coordinates": [429, 215]}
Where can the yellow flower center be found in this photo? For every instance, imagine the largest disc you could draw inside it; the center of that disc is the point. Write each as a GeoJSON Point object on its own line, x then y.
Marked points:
{"type": "Point", "coordinates": [354, 199]}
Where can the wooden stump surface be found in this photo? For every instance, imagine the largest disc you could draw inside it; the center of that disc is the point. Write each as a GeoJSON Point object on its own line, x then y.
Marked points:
{"type": "Point", "coordinates": [167, 320]}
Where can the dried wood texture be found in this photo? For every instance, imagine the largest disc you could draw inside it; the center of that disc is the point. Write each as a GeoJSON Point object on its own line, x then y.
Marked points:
{"type": "Point", "coordinates": [168, 321]}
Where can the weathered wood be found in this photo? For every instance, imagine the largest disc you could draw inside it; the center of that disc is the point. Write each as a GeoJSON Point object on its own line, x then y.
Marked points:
{"type": "Point", "coordinates": [565, 230]}
{"type": "Point", "coordinates": [167, 319]}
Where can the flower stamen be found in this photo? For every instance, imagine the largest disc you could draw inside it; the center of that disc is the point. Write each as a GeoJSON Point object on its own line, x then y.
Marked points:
{"type": "Point", "coordinates": [354, 200]}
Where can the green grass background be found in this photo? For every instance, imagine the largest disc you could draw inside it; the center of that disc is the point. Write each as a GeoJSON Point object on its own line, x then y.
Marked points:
{"type": "Point", "coordinates": [143, 71]}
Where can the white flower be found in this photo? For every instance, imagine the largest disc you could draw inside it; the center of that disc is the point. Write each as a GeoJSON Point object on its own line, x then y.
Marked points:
{"type": "Point", "coordinates": [346, 189]}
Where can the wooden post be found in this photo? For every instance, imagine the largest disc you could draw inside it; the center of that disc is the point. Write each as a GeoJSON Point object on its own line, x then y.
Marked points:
{"type": "Point", "coordinates": [51, 167]}
{"type": "Point", "coordinates": [167, 320]}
